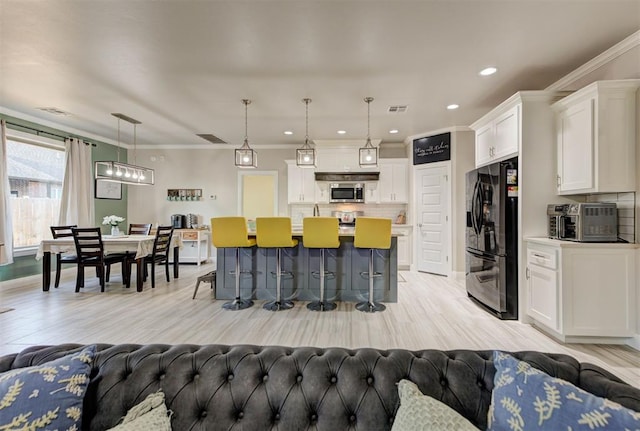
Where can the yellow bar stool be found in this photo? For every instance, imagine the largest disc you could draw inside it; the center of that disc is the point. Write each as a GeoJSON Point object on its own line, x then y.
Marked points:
{"type": "Point", "coordinates": [322, 233]}
{"type": "Point", "coordinates": [275, 232]}
{"type": "Point", "coordinates": [374, 234]}
{"type": "Point", "coordinates": [231, 232]}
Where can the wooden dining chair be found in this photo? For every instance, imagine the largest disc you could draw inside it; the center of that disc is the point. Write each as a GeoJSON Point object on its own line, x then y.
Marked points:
{"type": "Point", "coordinates": [90, 252]}
{"type": "Point", "coordinates": [140, 228]}
{"type": "Point", "coordinates": [61, 232]}
{"type": "Point", "coordinates": [127, 256]}
{"type": "Point", "coordinates": [160, 254]}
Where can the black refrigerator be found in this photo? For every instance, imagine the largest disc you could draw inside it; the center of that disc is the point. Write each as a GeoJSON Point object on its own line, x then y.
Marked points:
{"type": "Point", "coordinates": [492, 238]}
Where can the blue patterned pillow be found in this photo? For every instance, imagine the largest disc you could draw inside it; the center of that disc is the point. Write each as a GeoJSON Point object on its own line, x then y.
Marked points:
{"type": "Point", "coordinates": [47, 396]}
{"type": "Point", "coordinates": [525, 398]}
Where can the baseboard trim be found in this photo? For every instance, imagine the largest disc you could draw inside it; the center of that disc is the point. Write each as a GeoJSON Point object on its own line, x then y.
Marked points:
{"type": "Point", "coordinates": [634, 342]}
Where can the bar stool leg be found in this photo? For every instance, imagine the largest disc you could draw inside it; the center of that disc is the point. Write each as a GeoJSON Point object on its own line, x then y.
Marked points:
{"type": "Point", "coordinates": [278, 304]}
{"type": "Point", "coordinates": [370, 306]}
{"type": "Point", "coordinates": [321, 305]}
{"type": "Point", "coordinates": [238, 304]}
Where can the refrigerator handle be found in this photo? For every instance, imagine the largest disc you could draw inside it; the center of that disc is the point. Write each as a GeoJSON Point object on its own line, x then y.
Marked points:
{"type": "Point", "coordinates": [477, 207]}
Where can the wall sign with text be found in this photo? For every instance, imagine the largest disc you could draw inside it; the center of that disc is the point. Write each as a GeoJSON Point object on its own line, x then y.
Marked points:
{"type": "Point", "coordinates": [432, 149]}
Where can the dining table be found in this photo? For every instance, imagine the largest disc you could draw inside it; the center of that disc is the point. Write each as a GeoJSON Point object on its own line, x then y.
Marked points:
{"type": "Point", "coordinates": [138, 246]}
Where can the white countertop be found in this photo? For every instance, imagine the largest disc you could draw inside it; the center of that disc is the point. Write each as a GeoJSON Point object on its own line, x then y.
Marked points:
{"type": "Point", "coordinates": [573, 244]}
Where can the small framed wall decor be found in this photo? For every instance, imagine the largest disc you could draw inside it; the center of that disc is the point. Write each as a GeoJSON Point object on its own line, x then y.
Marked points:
{"type": "Point", "coordinates": [108, 190]}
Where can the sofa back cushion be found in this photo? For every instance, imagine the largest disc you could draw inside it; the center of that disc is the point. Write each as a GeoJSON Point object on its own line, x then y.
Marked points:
{"type": "Point", "coordinates": [250, 387]}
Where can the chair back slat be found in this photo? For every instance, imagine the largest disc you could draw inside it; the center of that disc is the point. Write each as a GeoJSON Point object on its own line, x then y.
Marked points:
{"type": "Point", "coordinates": [139, 228]}
{"type": "Point", "coordinates": [61, 231]}
{"type": "Point", "coordinates": [88, 242]}
{"type": "Point", "coordinates": [163, 240]}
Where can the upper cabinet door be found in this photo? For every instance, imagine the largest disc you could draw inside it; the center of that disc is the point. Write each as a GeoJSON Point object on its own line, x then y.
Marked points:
{"type": "Point", "coordinates": [484, 142]}
{"type": "Point", "coordinates": [393, 184]}
{"type": "Point", "coordinates": [499, 138]}
{"type": "Point", "coordinates": [301, 187]}
{"type": "Point", "coordinates": [596, 138]}
{"type": "Point", "coordinates": [575, 147]}
{"type": "Point", "coordinates": [507, 134]}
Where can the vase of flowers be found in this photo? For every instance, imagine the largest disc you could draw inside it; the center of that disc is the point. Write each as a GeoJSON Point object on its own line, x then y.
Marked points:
{"type": "Point", "coordinates": [113, 221]}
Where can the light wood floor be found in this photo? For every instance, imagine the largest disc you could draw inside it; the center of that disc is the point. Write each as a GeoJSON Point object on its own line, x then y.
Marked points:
{"type": "Point", "coordinates": [432, 313]}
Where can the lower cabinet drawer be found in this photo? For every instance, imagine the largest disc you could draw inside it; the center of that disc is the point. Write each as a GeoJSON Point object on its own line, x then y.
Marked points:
{"type": "Point", "coordinates": [189, 236]}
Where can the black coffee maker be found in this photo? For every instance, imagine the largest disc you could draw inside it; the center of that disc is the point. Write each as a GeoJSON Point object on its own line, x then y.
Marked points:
{"type": "Point", "coordinates": [179, 221]}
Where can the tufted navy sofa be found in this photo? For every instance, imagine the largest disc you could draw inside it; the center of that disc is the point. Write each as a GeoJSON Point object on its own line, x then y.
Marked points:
{"type": "Point", "coordinates": [243, 387]}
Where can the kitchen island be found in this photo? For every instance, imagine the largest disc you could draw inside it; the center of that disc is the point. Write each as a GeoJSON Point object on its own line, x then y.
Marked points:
{"type": "Point", "coordinates": [347, 262]}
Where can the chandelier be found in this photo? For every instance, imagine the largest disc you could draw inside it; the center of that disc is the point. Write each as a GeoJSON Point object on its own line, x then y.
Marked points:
{"type": "Point", "coordinates": [306, 155]}
{"type": "Point", "coordinates": [120, 172]}
{"type": "Point", "coordinates": [368, 153]}
{"type": "Point", "coordinates": [245, 156]}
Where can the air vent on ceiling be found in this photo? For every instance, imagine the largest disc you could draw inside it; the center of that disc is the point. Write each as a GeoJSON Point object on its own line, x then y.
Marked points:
{"type": "Point", "coordinates": [54, 111]}
{"type": "Point", "coordinates": [397, 109]}
{"type": "Point", "coordinates": [211, 138]}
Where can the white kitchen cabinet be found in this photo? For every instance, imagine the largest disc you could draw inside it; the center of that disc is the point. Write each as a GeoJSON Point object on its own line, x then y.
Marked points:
{"type": "Point", "coordinates": [301, 184]}
{"type": "Point", "coordinates": [582, 290]}
{"type": "Point", "coordinates": [371, 192]}
{"type": "Point", "coordinates": [498, 136]}
{"type": "Point", "coordinates": [404, 245]}
{"type": "Point", "coordinates": [394, 181]}
{"type": "Point", "coordinates": [542, 283]}
{"type": "Point", "coordinates": [596, 140]}
{"type": "Point", "coordinates": [195, 245]}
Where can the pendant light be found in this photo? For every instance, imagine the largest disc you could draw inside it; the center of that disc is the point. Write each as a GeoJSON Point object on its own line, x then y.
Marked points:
{"type": "Point", "coordinates": [306, 155]}
{"type": "Point", "coordinates": [245, 156]}
{"type": "Point", "coordinates": [368, 153]}
{"type": "Point", "coordinates": [119, 172]}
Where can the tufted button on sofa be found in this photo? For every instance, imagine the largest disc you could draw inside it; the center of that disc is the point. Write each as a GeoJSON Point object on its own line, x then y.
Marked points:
{"type": "Point", "coordinates": [243, 387]}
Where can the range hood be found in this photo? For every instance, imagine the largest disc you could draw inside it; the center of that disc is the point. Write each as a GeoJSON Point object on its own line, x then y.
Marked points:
{"type": "Point", "coordinates": [347, 176]}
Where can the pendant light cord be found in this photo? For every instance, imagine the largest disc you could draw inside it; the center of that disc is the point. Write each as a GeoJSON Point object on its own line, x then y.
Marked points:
{"type": "Point", "coordinates": [246, 127]}
{"type": "Point", "coordinates": [134, 145]}
{"type": "Point", "coordinates": [118, 152]}
{"type": "Point", "coordinates": [306, 135]}
{"type": "Point", "coordinates": [368, 100]}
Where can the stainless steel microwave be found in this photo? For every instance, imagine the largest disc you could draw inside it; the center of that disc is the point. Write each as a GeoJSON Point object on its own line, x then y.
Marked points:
{"type": "Point", "coordinates": [346, 193]}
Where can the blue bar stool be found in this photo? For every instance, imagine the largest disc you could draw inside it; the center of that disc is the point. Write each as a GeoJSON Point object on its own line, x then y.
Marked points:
{"type": "Point", "coordinates": [374, 234]}
{"type": "Point", "coordinates": [322, 233]}
{"type": "Point", "coordinates": [275, 232]}
{"type": "Point", "coordinates": [231, 232]}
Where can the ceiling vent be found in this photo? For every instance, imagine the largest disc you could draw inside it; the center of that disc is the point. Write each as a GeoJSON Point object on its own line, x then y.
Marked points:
{"type": "Point", "coordinates": [397, 109]}
{"type": "Point", "coordinates": [54, 111]}
{"type": "Point", "coordinates": [211, 138]}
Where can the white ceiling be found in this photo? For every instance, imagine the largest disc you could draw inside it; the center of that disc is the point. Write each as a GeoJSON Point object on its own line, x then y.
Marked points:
{"type": "Point", "coordinates": [182, 67]}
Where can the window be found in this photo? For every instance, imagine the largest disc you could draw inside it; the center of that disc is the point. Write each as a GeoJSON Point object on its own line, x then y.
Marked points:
{"type": "Point", "coordinates": [36, 172]}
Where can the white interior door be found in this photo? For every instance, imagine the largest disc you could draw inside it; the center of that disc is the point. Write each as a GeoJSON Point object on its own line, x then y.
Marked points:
{"type": "Point", "coordinates": [433, 230]}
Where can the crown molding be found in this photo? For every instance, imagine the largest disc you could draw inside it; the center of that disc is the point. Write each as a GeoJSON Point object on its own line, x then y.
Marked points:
{"type": "Point", "coordinates": [53, 125]}
{"type": "Point", "coordinates": [409, 139]}
{"type": "Point", "coordinates": [609, 55]}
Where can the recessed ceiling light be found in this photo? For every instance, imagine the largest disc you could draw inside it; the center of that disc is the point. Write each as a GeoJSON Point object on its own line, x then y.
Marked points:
{"type": "Point", "coordinates": [488, 71]}
{"type": "Point", "coordinates": [393, 131]}
{"type": "Point", "coordinates": [341, 132]}
{"type": "Point", "coordinates": [288, 132]}
{"type": "Point", "coordinates": [452, 106]}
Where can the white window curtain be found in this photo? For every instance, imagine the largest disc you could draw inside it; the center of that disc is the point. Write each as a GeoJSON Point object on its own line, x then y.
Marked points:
{"type": "Point", "coordinates": [76, 205]}
{"type": "Point", "coordinates": [6, 226]}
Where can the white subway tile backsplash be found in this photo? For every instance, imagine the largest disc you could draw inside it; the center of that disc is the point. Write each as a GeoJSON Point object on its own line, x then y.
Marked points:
{"type": "Point", "coordinates": [298, 211]}
{"type": "Point", "coordinates": [626, 204]}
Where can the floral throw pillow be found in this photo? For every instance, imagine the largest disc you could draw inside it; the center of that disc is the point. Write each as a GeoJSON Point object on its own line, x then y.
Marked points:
{"type": "Point", "coordinates": [47, 396]}
{"type": "Point", "coordinates": [525, 398]}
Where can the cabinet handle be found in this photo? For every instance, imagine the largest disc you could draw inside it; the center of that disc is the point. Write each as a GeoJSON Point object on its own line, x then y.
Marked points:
{"type": "Point", "coordinates": [541, 256]}
{"type": "Point", "coordinates": [558, 182]}
{"type": "Point", "coordinates": [527, 273]}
